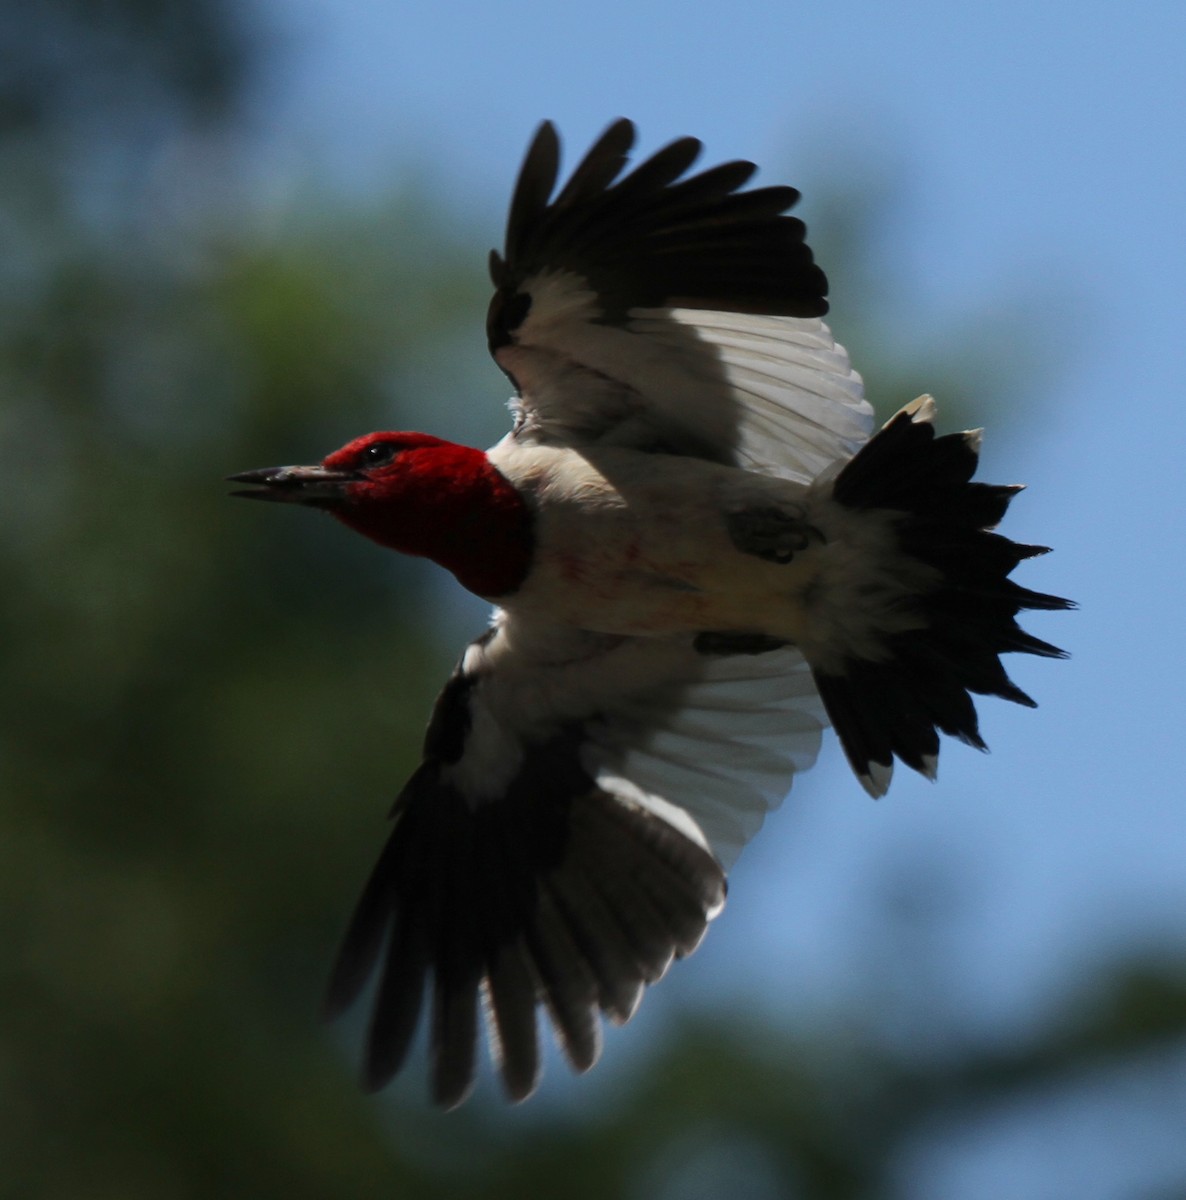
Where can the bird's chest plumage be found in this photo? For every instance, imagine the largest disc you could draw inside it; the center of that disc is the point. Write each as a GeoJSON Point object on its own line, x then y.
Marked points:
{"type": "Point", "coordinates": [637, 544]}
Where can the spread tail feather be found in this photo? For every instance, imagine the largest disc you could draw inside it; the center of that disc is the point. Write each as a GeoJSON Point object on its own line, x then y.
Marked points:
{"type": "Point", "coordinates": [922, 679]}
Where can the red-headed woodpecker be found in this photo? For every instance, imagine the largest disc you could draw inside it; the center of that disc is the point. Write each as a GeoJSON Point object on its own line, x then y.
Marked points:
{"type": "Point", "coordinates": [701, 554]}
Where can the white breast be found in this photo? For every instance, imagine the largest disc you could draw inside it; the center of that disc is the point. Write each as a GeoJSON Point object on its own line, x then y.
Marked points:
{"type": "Point", "coordinates": [636, 544]}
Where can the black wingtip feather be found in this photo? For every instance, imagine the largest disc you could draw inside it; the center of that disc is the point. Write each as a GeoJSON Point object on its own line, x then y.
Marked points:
{"type": "Point", "coordinates": [569, 990]}
{"type": "Point", "coordinates": [511, 998]}
{"type": "Point", "coordinates": [600, 167]}
{"type": "Point", "coordinates": [397, 1005]}
{"type": "Point", "coordinates": [537, 178]}
{"type": "Point", "coordinates": [924, 679]}
{"type": "Point", "coordinates": [363, 942]}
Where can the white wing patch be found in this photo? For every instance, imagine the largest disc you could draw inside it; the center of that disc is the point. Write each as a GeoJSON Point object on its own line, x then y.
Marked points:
{"type": "Point", "coordinates": [709, 743]}
{"type": "Point", "coordinates": [727, 752]}
{"type": "Point", "coordinates": [776, 394]}
{"type": "Point", "coordinates": [801, 406]}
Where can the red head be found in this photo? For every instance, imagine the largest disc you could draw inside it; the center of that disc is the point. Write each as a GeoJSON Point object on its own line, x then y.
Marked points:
{"type": "Point", "coordinates": [419, 495]}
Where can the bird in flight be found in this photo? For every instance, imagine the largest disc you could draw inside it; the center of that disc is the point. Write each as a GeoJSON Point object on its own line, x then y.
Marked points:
{"type": "Point", "coordinates": [701, 553]}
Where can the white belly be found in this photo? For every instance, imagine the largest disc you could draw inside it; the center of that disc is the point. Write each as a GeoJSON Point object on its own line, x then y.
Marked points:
{"type": "Point", "coordinates": [637, 544]}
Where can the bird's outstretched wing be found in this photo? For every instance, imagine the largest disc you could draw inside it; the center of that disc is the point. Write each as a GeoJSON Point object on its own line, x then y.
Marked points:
{"type": "Point", "coordinates": [666, 310]}
{"type": "Point", "coordinates": [563, 840]}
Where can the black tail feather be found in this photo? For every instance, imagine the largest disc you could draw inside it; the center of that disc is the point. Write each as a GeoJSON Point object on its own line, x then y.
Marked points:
{"type": "Point", "coordinates": [923, 680]}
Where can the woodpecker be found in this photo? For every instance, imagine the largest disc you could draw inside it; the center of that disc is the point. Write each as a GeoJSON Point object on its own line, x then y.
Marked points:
{"type": "Point", "coordinates": [700, 554]}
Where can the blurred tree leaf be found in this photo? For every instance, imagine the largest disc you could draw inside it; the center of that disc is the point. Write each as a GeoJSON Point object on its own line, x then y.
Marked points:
{"type": "Point", "coordinates": [63, 59]}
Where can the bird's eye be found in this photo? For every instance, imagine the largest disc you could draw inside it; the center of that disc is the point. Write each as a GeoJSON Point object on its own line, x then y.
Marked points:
{"type": "Point", "coordinates": [379, 454]}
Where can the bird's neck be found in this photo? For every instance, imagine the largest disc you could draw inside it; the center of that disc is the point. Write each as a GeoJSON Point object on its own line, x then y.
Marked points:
{"type": "Point", "coordinates": [451, 504]}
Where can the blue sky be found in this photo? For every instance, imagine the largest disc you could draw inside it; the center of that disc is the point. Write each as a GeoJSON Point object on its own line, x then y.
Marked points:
{"type": "Point", "coordinates": [1042, 148]}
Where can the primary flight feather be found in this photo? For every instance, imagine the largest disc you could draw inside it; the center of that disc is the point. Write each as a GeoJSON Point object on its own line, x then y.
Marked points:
{"type": "Point", "coordinates": [701, 554]}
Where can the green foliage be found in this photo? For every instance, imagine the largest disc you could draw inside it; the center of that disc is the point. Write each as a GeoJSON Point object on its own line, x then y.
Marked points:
{"type": "Point", "coordinates": [185, 788]}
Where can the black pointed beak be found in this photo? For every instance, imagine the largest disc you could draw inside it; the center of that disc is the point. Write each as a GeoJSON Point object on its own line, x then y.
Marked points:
{"type": "Point", "coordinates": [317, 486]}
